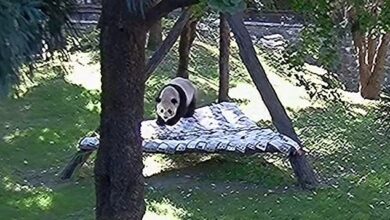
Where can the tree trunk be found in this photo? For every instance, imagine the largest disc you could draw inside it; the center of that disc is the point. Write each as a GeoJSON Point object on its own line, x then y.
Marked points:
{"type": "Point", "coordinates": [372, 74]}
{"type": "Point", "coordinates": [118, 168]}
{"type": "Point", "coordinates": [280, 119]}
{"type": "Point", "coordinates": [371, 52]}
{"type": "Point", "coordinates": [372, 87]}
{"type": "Point", "coordinates": [155, 36]}
{"type": "Point", "coordinates": [224, 43]}
{"type": "Point", "coordinates": [186, 39]}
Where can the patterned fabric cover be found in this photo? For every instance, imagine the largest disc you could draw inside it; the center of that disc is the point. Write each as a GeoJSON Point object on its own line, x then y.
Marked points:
{"type": "Point", "coordinates": [215, 128]}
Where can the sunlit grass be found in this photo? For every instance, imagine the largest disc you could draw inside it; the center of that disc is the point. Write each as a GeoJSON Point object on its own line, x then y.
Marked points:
{"type": "Point", "coordinates": [39, 131]}
{"type": "Point", "coordinates": [42, 201]}
{"type": "Point", "coordinates": [164, 210]}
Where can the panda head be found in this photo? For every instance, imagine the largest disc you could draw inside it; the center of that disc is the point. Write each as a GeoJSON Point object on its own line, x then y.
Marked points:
{"type": "Point", "coordinates": [167, 103]}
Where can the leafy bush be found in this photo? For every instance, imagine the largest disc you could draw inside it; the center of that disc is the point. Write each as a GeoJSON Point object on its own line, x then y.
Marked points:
{"type": "Point", "coordinates": [28, 29]}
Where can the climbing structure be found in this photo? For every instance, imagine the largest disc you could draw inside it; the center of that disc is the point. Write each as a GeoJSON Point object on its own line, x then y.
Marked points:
{"type": "Point", "coordinates": [212, 129]}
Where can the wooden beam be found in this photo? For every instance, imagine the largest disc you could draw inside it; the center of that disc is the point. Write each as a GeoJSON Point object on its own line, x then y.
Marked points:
{"type": "Point", "coordinates": [224, 44]}
{"type": "Point", "coordinates": [248, 55]}
{"type": "Point", "coordinates": [187, 37]}
{"type": "Point", "coordinates": [167, 44]}
{"type": "Point", "coordinates": [280, 119]}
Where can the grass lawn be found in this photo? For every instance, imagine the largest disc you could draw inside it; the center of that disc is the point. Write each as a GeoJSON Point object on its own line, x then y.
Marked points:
{"type": "Point", "coordinates": [348, 149]}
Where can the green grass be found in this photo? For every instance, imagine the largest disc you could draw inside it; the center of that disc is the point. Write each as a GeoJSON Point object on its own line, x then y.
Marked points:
{"type": "Point", "coordinates": [348, 148]}
{"type": "Point", "coordinates": [349, 152]}
{"type": "Point", "coordinates": [38, 135]}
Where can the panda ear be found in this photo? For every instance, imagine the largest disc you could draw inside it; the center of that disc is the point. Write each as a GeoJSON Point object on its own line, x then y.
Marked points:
{"type": "Point", "coordinates": [158, 99]}
{"type": "Point", "coordinates": [174, 101]}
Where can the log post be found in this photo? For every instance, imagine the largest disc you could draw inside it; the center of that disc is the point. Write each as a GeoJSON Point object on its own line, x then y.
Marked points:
{"type": "Point", "coordinates": [224, 44]}
{"type": "Point", "coordinates": [187, 37]}
{"type": "Point", "coordinates": [155, 35]}
{"type": "Point", "coordinates": [302, 169]}
{"type": "Point", "coordinates": [167, 44]}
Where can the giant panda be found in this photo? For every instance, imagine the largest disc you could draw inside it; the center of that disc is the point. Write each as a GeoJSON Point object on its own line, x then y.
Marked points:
{"type": "Point", "coordinates": [176, 100]}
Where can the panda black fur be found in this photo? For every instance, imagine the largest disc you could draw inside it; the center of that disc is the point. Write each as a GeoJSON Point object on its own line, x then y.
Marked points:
{"type": "Point", "coordinates": [176, 100]}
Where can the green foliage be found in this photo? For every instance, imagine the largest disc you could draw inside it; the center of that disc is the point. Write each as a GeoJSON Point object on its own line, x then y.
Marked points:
{"type": "Point", "coordinates": [20, 23]}
{"type": "Point", "coordinates": [384, 17]}
{"type": "Point", "coordinates": [321, 36]}
{"type": "Point", "coordinates": [372, 16]}
{"type": "Point", "coordinates": [328, 22]}
{"type": "Point", "coordinates": [227, 6]}
{"type": "Point", "coordinates": [89, 42]}
{"type": "Point", "coordinates": [199, 9]}
{"type": "Point", "coordinates": [25, 25]}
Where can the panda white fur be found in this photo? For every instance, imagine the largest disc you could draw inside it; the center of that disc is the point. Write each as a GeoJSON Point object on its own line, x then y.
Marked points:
{"type": "Point", "coordinates": [176, 100]}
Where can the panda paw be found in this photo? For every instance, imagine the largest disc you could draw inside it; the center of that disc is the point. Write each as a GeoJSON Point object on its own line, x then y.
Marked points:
{"type": "Point", "coordinates": [160, 122]}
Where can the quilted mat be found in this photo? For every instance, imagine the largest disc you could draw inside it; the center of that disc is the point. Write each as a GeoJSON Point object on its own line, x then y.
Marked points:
{"type": "Point", "coordinates": [215, 128]}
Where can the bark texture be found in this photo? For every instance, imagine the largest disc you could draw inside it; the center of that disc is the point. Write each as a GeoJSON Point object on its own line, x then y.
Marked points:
{"type": "Point", "coordinates": [372, 71]}
{"type": "Point", "coordinates": [187, 37]}
{"type": "Point", "coordinates": [118, 168]}
{"type": "Point", "coordinates": [155, 36]}
{"type": "Point", "coordinates": [371, 48]}
{"type": "Point", "coordinates": [224, 44]}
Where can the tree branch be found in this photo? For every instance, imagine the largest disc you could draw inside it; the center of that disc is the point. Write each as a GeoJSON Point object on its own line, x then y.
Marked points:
{"type": "Point", "coordinates": [166, 6]}
{"type": "Point", "coordinates": [359, 42]}
{"type": "Point", "coordinates": [360, 47]}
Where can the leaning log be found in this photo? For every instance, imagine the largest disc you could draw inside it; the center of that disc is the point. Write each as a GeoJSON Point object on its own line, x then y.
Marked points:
{"type": "Point", "coordinates": [167, 44]}
{"type": "Point", "coordinates": [302, 169]}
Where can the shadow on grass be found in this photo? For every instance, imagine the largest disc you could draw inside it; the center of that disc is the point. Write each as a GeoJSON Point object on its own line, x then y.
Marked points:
{"type": "Point", "coordinates": [38, 133]}
{"type": "Point", "coordinates": [231, 168]}
{"type": "Point", "coordinates": [49, 119]}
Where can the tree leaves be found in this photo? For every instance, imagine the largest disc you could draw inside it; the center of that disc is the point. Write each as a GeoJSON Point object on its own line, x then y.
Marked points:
{"type": "Point", "coordinates": [20, 22]}
{"type": "Point", "coordinates": [328, 21]}
{"type": "Point", "coordinates": [25, 24]}
{"type": "Point", "coordinates": [227, 6]}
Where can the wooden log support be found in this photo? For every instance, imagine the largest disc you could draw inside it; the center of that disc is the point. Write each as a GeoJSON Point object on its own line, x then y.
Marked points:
{"type": "Point", "coordinates": [78, 159]}
{"type": "Point", "coordinates": [155, 36]}
{"type": "Point", "coordinates": [224, 44]}
{"type": "Point", "coordinates": [187, 37]}
{"type": "Point", "coordinates": [302, 169]}
{"type": "Point", "coordinates": [167, 44]}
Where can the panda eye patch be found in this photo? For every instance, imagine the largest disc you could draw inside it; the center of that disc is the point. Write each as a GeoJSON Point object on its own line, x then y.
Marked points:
{"type": "Point", "coordinates": [162, 111]}
{"type": "Point", "coordinates": [174, 101]}
{"type": "Point", "coordinates": [170, 111]}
